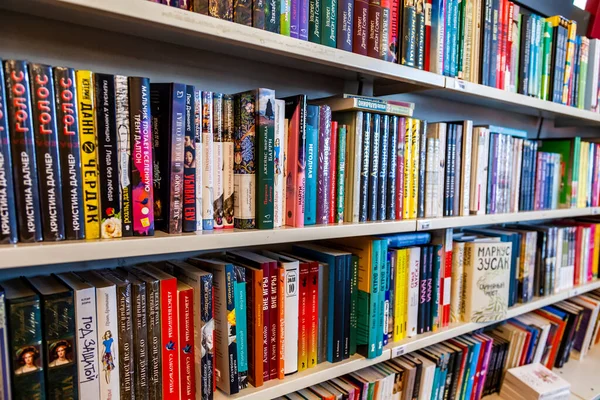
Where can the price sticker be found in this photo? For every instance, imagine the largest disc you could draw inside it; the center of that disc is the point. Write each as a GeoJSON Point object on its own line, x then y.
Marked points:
{"type": "Point", "coordinates": [424, 224]}
{"type": "Point", "coordinates": [398, 351]}
{"type": "Point", "coordinates": [459, 84]}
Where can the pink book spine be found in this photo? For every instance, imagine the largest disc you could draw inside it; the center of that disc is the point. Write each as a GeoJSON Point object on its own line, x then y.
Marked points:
{"type": "Point", "coordinates": [400, 168]}
{"type": "Point", "coordinates": [295, 179]}
{"type": "Point", "coordinates": [333, 172]}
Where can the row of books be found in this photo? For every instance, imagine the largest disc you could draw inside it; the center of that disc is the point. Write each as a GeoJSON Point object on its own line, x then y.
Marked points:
{"type": "Point", "coordinates": [534, 382]}
{"type": "Point", "coordinates": [477, 364]}
{"type": "Point", "coordinates": [494, 42]}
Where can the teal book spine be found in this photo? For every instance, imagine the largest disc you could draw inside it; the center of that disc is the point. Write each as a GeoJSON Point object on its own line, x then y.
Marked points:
{"type": "Point", "coordinates": [329, 23]}
{"type": "Point", "coordinates": [265, 162]}
{"type": "Point", "coordinates": [311, 151]}
{"type": "Point", "coordinates": [241, 324]}
{"type": "Point", "coordinates": [314, 21]}
{"type": "Point", "coordinates": [465, 382]}
{"type": "Point", "coordinates": [473, 369]}
{"type": "Point", "coordinates": [454, 38]}
{"type": "Point", "coordinates": [461, 37]}
{"type": "Point", "coordinates": [374, 302]}
{"type": "Point", "coordinates": [341, 174]}
{"type": "Point", "coordinates": [272, 15]}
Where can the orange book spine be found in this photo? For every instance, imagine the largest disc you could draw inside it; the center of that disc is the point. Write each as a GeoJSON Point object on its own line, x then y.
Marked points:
{"type": "Point", "coordinates": [255, 324]}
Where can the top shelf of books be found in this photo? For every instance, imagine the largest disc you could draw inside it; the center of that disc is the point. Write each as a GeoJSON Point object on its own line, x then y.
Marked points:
{"type": "Point", "coordinates": [169, 24]}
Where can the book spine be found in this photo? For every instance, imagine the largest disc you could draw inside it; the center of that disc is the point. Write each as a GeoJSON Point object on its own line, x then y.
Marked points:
{"type": "Point", "coordinates": [107, 317]}
{"type": "Point", "coordinates": [273, 321]}
{"type": "Point", "coordinates": [217, 160]}
{"type": "Point", "coordinates": [486, 43]}
{"type": "Point", "coordinates": [244, 166]}
{"type": "Point", "coordinates": [89, 157]}
{"type": "Point", "coordinates": [420, 35]}
{"type": "Point", "coordinates": [408, 160]}
{"type": "Point", "coordinates": [313, 313]}
{"type": "Point", "coordinates": [333, 172]}
{"type": "Point", "coordinates": [413, 291]}
{"type": "Point", "coordinates": [207, 364]}
{"type": "Point", "coordinates": [198, 147]}
{"type": "Point", "coordinates": [169, 334]}
{"type": "Point", "coordinates": [124, 152]}
{"type": "Point", "coordinates": [314, 21]}
{"type": "Point", "coordinates": [187, 381]}
{"type": "Point", "coordinates": [258, 14]}
{"type": "Point", "coordinates": [272, 15]}
{"type": "Point", "coordinates": [365, 168]}
{"type": "Point", "coordinates": [347, 305]}
{"type": "Point", "coordinates": [374, 167]}
{"type": "Point", "coordinates": [428, 32]}
{"type": "Point", "coordinates": [382, 206]}
{"type": "Point", "coordinates": [374, 29]}
{"type": "Point", "coordinates": [338, 309]}
{"type": "Point", "coordinates": [292, 293]}
{"type": "Point", "coordinates": [281, 336]}
{"type": "Point", "coordinates": [329, 22]}
{"type": "Point", "coordinates": [429, 305]}
{"type": "Point", "coordinates": [569, 60]}
{"type": "Point", "coordinates": [70, 158]}
{"type": "Point", "coordinates": [421, 323]}
{"type": "Point", "coordinates": [242, 12]}
{"type": "Point", "coordinates": [409, 34]}
{"type": "Point", "coordinates": [265, 115]}
{"type": "Point", "coordinates": [324, 168]}
{"type": "Point", "coordinates": [341, 174]}
{"type": "Point", "coordinates": [346, 25]}
{"type": "Point", "coordinates": [384, 30]}
{"type": "Point", "coordinates": [502, 40]}
{"type": "Point", "coordinates": [284, 25]}
{"type": "Point", "coordinates": [279, 151]}
{"type": "Point", "coordinates": [110, 195]}
{"type": "Point", "coordinates": [312, 152]}
{"type": "Point", "coordinates": [294, 18]}
{"type": "Point", "coordinates": [353, 305]}
{"type": "Point", "coordinates": [414, 172]}
{"type": "Point", "coordinates": [392, 168]}
{"type": "Point", "coordinates": [183, 163]}
{"type": "Point", "coordinates": [124, 324]}
{"type": "Point", "coordinates": [494, 43]}
{"type": "Point", "coordinates": [8, 213]}
{"type": "Point", "coordinates": [303, 317]}
{"type": "Point", "coordinates": [303, 21]}
{"type": "Point", "coordinates": [421, 171]}
{"type": "Point", "coordinates": [140, 339]}
{"type": "Point", "coordinates": [228, 161]}
{"type": "Point", "coordinates": [454, 37]}
{"type": "Point", "coordinates": [400, 161]}
{"type": "Point", "coordinates": [139, 102]}
{"type": "Point", "coordinates": [208, 161]}
{"type": "Point", "coordinates": [361, 27]}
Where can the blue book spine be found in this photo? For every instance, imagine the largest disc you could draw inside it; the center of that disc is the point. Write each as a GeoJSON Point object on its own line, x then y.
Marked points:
{"type": "Point", "coordinates": [383, 286]}
{"type": "Point", "coordinates": [383, 167]}
{"type": "Point", "coordinates": [392, 165]}
{"type": "Point", "coordinates": [560, 63]}
{"type": "Point", "coordinates": [438, 26]}
{"type": "Point", "coordinates": [494, 47]}
{"type": "Point", "coordinates": [448, 36]}
{"type": "Point", "coordinates": [388, 320]}
{"type": "Point", "coordinates": [407, 239]}
{"type": "Point", "coordinates": [428, 303]}
{"type": "Point", "coordinates": [576, 69]}
{"type": "Point", "coordinates": [436, 380]}
{"type": "Point", "coordinates": [487, 43]}
{"type": "Point", "coordinates": [492, 174]}
{"type": "Point", "coordinates": [345, 20]}
{"type": "Point", "coordinates": [312, 146]}
{"type": "Point", "coordinates": [448, 171]}
{"type": "Point", "coordinates": [454, 40]}
{"type": "Point", "coordinates": [365, 168]}
{"type": "Point", "coordinates": [549, 180]}
{"type": "Point", "coordinates": [347, 303]}
{"type": "Point", "coordinates": [532, 56]}
{"type": "Point", "coordinates": [472, 370]}
{"type": "Point", "coordinates": [537, 65]}
{"type": "Point", "coordinates": [374, 167]}
{"type": "Point", "coordinates": [339, 281]}
{"type": "Point", "coordinates": [373, 338]}
{"type": "Point", "coordinates": [523, 188]}
{"type": "Point", "coordinates": [241, 325]}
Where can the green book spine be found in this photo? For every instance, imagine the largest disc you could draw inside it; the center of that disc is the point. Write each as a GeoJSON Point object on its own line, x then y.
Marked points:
{"type": "Point", "coordinates": [546, 60]}
{"type": "Point", "coordinates": [435, 287]}
{"type": "Point", "coordinates": [461, 37]}
{"type": "Point", "coordinates": [25, 344]}
{"type": "Point", "coordinates": [373, 301]}
{"type": "Point", "coordinates": [329, 23]}
{"type": "Point", "coordinates": [569, 152]}
{"type": "Point", "coordinates": [383, 286]}
{"type": "Point", "coordinates": [354, 305]}
{"type": "Point", "coordinates": [265, 173]}
{"type": "Point", "coordinates": [284, 25]}
{"type": "Point", "coordinates": [583, 72]}
{"type": "Point", "coordinates": [314, 21]}
{"type": "Point", "coordinates": [272, 15]}
{"type": "Point", "coordinates": [341, 174]}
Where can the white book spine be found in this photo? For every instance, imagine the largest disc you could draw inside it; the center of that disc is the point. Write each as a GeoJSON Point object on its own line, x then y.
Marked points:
{"type": "Point", "coordinates": [124, 138]}
{"type": "Point", "coordinates": [413, 291]}
{"type": "Point", "coordinates": [429, 178]}
{"type": "Point", "coordinates": [539, 351]}
{"type": "Point", "coordinates": [591, 88]}
{"type": "Point", "coordinates": [292, 280]}
{"type": "Point", "coordinates": [482, 171]}
{"type": "Point", "coordinates": [199, 157]}
{"type": "Point", "coordinates": [87, 343]}
{"type": "Point", "coordinates": [456, 288]}
{"type": "Point", "coordinates": [279, 150]}
{"type": "Point", "coordinates": [207, 165]}
{"type": "Point", "coordinates": [358, 139]}
{"type": "Point", "coordinates": [218, 165]}
{"type": "Point", "coordinates": [466, 167]}
{"type": "Point", "coordinates": [108, 340]}
{"type": "Point", "coordinates": [442, 169]}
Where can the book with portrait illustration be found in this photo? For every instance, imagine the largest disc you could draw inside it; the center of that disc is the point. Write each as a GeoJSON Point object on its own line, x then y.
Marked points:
{"type": "Point", "coordinates": [58, 341]}
{"type": "Point", "coordinates": [24, 340]}
{"type": "Point", "coordinates": [189, 162]}
{"type": "Point", "coordinates": [218, 166]}
{"type": "Point", "coordinates": [108, 333]}
{"type": "Point", "coordinates": [228, 160]}
{"type": "Point", "coordinates": [8, 211]}
{"type": "Point", "coordinates": [168, 122]}
{"type": "Point", "coordinates": [124, 150]}
{"type": "Point", "coordinates": [207, 161]}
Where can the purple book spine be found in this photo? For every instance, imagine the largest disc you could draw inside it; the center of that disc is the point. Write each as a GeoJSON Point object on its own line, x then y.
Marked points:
{"type": "Point", "coordinates": [345, 21]}
{"type": "Point", "coordinates": [294, 18]}
{"type": "Point", "coordinates": [303, 26]}
{"type": "Point", "coordinates": [324, 169]}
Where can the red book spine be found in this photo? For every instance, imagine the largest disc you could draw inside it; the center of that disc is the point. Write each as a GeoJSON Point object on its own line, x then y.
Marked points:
{"type": "Point", "coordinates": [313, 303]}
{"type": "Point", "coordinates": [169, 336]}
{"type": "Point", "coordinates": [361, 27]}
{"type": "Point", "coordinates": [393, 31]}
{"type": "Point", "coordinates": [333, 172]}
{"type": "Point", "coordinates": [186, 340]}
{"type": "Point", "coordinates": [400, 168]}
{"type": "Point", "coordinates": [295, 184]}
{"type": "Point", "coordinates": [273, 320]}
{"type": "Point", "coordinates": [303, 318]}
{"type": "Point", "coordinates": [501, 45]}
{"type": "Point", "coordinates": [579, 250]}
{"type": "Point", "coordinates": [427, 63]}
{"type": "Point", "coordinates": [374, 29]}
{"type": "Point", "coordinates": [266, 294]}
{"type": "Point", "coordinates": [509, 44]}
{"type": "Point", "coordinates": [281, 325]}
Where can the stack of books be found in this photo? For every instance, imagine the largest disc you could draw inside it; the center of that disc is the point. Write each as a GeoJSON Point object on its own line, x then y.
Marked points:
{"type": "Point", "coordinates": [533, 382]}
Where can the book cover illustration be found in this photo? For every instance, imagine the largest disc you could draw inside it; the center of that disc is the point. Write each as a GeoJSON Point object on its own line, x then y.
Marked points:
{"type": "Point", "coordinates": [228, 156]}
{"type": "Point", "coordinates": [218, 165]}
{"type": "Point", "coordinates": [199, 156]}
{"type": "Point", "coordinates": [124, 151]}
{"type": "Point", "coordinates": [245, 162]}
{"type": "Point", "coordinates": [265, 130]}
{"type": "Point", "coordinates": [207, 161]}
{"type": "Point", "coordinates": [188, 211]}
{"type": "Point", "coordinates": [8, 211]}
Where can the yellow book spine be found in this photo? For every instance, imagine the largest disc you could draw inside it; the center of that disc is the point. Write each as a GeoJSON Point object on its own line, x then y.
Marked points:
{"type": "Point", "coordinates": [408, 160]}
{"type": "Point", "coordinates": [414, 173]}
{"type": "Point", "coordinates": [89, 155]}
{"type": "Point", "coordinates": [569, 75]}
{"type": "Point", "coordinates": [400, 283]}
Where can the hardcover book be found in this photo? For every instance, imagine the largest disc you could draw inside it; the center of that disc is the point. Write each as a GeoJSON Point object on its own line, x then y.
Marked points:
{"type": "Point", "coordinates": [124, 150]}
{"type": "Point", "coordinates": [58, 325]}
{"type": "Point", "coordinates": [24, 340]}
{"type": "Point", "coordinates": [295, 113]}
{"type": "Point", "coordinates": [264, 128]}
{"type": "Point", "coordinates": [228, 160]}
{"type": "Point", "coordinates": [5, 385]}
{"type": "Point", "coordinates": [141, 154]}
{"type": "Point", "coordinates": [8, 212]}
{"type": "Point", "coordinates": [324, 166]}
{"type": "Point", "coordinates": [312, 164]}
{"type": "Point", "coordinates": [207, 162]}
{"type": "Point", "coordinates": [279, 150]}
{"type": "Point", "coordinates": [199, 156]}
{"type": "Point", "coordinates": [69, 153]}
{"type": "Point", "coordinates": [168, 123]}
{"type": "Point", "coordinates": [218, 166]}
{"type": "Point", "coordinates": [187, 157]}
{"type": "Point", "coordinates": [21, 133]}
{"type": "Point", "coordinates": [245, 162]}
{"type": "Point", "coordinates": [185, 312]}
{"type": "Point", "coordinates": [110, 193]}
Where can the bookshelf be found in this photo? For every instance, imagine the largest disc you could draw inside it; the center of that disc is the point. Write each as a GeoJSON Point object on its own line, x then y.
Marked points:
{"type": "Point", "coordinates": [580, 374]}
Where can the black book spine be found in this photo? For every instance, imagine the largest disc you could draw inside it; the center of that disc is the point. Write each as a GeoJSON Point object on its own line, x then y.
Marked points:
{"type": "Point", "coordinates": [450, 357]}
{"type": "Point", "coordinates": [20, 127]}
{"type": "Point", "coordinates": [154, 351]}
{"type": "Point", "coordinates": [428, 304]}
{"type": "Point", "coordinates": [126, 358]}
{"type": "Point", "coordinates": [374, 167]}
{"type": "Point", "coordinates": [189, 171]}
{"type": "Point", "coordinates": [422, 290]}
{"type": "Point", "coordinates": [124, 150]}
{"type": "Point", "coordinates": [140, 340]}
{"type": "Point", "coordinates": [384, 149]}
{"type": "Point", "coordinates": [8, 211]}
{"type": "Point", "coordinates": [58, 322]}
{"type": "Point", "coordinates": [422, 162]}
{"type": "Point", "coordinates": [339, 290]}
{"type": "Point", "coordinates": [392, 166]}
{"type": "Point", "coordinates": [455, 371]}
{"type": "Point", "coordinates": [46, 146]}
{"type": "Point", "coordinates": [67, 120]}
{"type": "Point", "coordinates": [347, 303]}
{"type": "Point", "coordinates": [110, 193]}
{"type": "Point", "coordinates": [365, 168]}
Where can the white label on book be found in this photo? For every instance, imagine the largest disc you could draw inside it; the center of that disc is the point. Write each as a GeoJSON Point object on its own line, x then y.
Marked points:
{"type": "Point", "coordinates": [446, 299]}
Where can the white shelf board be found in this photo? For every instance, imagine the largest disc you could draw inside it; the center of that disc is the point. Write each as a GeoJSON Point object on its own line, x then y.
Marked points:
{"type": "Point", "coordinates": [159, 22]}
{"type": "Point", "coordinates": [425, 224]}
{"type": "Point", "coordinates": [30, 254]}
{"type": "Point", "coordinates": [583, 375]}
{"type": "Point", "coordinates": [301, 380]}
